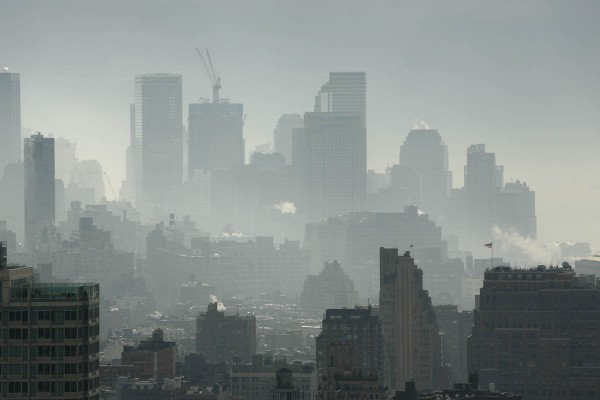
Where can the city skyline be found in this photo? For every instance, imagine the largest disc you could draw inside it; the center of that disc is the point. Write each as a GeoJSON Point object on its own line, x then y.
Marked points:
{"type": "Point", "coordinates": [547, 90]}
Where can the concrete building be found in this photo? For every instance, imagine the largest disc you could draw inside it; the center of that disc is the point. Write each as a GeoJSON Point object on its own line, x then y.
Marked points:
{"type": "Point", "coordinates": [10, 118]}
{"type": "Point", "coordinates": [12, 203]}
{"type": "Point", "coordinates": [39, 189]}
{"type": "Point", "coordinates": [215, 134]}
{"type": "Point", "coordinates": [50, 336]}
{"type": "Point", "coordinates": [331, 288]}
{"type": "Point", "coordinates": [282, 134]}
{"type": "Point", "coordinates": [158, 145]}
{"type": "Point", "coordinates": [410, 331]}
{"type": "Point", "coordinates": [154, 357]}
{"type": "Point", "coordinates": [360, 327]}
{"type": "Point", "coordinates": [258, 380]}
{"type": "Point", "coordinates": [222, 337]}
{"type": "Point", "coordinates": [536, 333]}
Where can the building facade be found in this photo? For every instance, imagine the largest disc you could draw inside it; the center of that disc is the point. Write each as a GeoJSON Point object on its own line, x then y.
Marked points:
{"type": "Point", "coordinates": [50, 337]}
{"type": "Point", "coordinates": [410, 331]}
{"type": "Point", "coordinates": [215, 134]}
{"type": "Point", "coordinates": [224, 337]}
{"type": "Point", "coordinates": [362, 328]}
{"type": "Point", "coordinates": [536, 332]}
{"type": "Point", "coordinates": [282, 134]}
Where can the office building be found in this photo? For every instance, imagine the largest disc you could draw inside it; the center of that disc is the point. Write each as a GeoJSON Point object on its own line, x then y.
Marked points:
{"type": "Point", "coordinates": [222, 337]}
{"type": "Point", "coordinates": [282, 134]}
{"type": "Point", "coordinates": [331, 288]}
{"type": "Point", "coordinates": [536, 333]}
{"type": "Point", "coordinates": [483, 181]}
{"type": "Point", "coordinates": [39, 189]}
{"type": "Point", "coordinates": [360, 327]}
{"type": "Point", "coordinates": [50, 336]}
{"type": "Point", "coordinates": [329, 154]}
{"type": "Point", "coordinates": [158, 147]}
{"type": "Point", "coordinates": [410, 331]}
{"type": "Point", "coordinates": [154, 357]}
{"type": "Point", "coordinates": [424, 159]}
{"type": "Point", "coordinates": [215, 134]}
{"type": "Point", "coordinates": [330, 164]}
{"type": "Point", "coordinates": [10, 118]}
{"type": "Point", "coordinates": [345, 92]}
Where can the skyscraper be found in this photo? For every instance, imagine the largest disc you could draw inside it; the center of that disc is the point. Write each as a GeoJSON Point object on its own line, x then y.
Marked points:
{"type": "Point", "coordinates": [216, 140]}
{"type": "Point", "coordinates": [39, 188]}
{"type": "Point", "coordinates": [158, 149]}
{"type": "Point", "coordinates": [282, 134]}
{"type": "Point", "coordinates": [483, 180]}
{"type": "Point", "coordinates": [536, 333]}
{"type": "Point", "coordinates": [329, 160]}
{"type": "Point", "coordinates": [425, 155]}
{"type": "Point", "coordinates": [50, 346]}
{"type": "Point", "coordinates": [411, 339]}
{"type": "Point", "coordinates": [345, 92]}
{"type": "Point", "coordinates": [10, 118]}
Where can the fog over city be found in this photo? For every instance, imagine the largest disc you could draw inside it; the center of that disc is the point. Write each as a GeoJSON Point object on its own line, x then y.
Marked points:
{"type": "Point", "coordinates": [299, 200]}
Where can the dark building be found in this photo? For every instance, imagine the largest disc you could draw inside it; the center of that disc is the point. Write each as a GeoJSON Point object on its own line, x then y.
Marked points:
{"type": "Point", "coordinates": [455, 327]}
{"type": "Point", "coordinates": [222, 337]}
{"type": "Point", "coordinates": [39, 189]}
{"type": "Point", "coordinates": [410, 331]}
{"type": "Point", "coordinates": [342, 381]}
{"type": "Point", "coordinates": [536, 332]}
{"type": "Point", "coordinates": [154, 357]}
{"type": "Point", "coordinates": [10, 118]}
{"type": "Point", "coordinates": [215, 132]}
{"type": "Point", "coordinates": [461, 391]}
{"type": "Point", "coordinates": [50, 336]}
{"type": "Point", "coordinates": [362, 328]}
{"type": "Point", "coordinates": [202, 373]}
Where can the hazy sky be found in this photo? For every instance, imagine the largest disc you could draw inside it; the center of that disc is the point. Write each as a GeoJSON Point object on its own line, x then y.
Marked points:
{"type": "Point", "coordinates": [521, 77]}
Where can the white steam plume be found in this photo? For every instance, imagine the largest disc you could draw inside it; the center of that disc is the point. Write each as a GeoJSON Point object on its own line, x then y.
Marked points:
{"type": "Point", "coordinates": [220, 306]}
{"type": "Point", "coordinates": [535, 251]}
{"type": "Point", "coordinates": [285, 207]}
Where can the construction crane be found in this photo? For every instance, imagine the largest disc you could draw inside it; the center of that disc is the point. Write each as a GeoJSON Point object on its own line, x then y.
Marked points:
{"type": "Point", "coordinates": [215, 80]}
{"type": "Point", "coordinates": [112, 189]}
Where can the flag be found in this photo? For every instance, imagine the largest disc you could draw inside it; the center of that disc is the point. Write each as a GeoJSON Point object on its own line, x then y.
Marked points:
{"type": "Point", "coordinates": [411, 246]}
{"type": "Point", "coordinates": [488, 245]}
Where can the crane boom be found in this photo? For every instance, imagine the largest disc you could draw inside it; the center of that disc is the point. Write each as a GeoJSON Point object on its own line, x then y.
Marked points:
{"type": "Point", "coordinates": [215, 80]}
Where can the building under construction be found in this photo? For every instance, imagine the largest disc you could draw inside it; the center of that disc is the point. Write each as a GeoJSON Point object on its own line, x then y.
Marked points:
{"type": "Point", "coordinates": [215, 129]}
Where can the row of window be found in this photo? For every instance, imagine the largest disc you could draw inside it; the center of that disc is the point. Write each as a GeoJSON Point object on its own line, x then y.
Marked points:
{"type": "Point", "coordinates": [53, 387]}
{"type": "Point", "coordinates": [56, 369]}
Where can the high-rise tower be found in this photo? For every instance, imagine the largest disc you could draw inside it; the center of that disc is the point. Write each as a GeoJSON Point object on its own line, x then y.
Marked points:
{"type": "Point", "coordinates": [329, 160]}
{"type": "Point", "coordinates": [50, 346]}
{"type": "Point", "coordinates": [158, 148]}
{"type": "Point", "coordinates": [410, 332]}
{"type": "Point", "coordinates": [39, 188]}
{"type": "Point", "coordinates": [10, 118]}
{"type": "Point", "coordinates": [424, 159]}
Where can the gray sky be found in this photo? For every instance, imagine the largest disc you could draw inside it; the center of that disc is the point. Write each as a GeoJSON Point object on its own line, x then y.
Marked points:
{"type": "Point", "coordinates": [521, 77]}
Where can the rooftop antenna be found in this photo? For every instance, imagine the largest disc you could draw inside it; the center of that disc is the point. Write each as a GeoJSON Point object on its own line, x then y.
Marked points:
{"type": "Point", "coordinates": [215, 80]}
